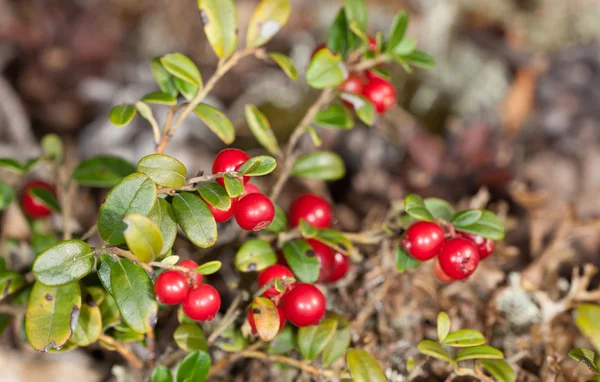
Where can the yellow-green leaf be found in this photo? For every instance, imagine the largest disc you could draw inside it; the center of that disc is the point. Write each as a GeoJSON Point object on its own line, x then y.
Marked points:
{"type": "Point", "coordinates": [499, 369]}
{"type": "Point", "coordinates": [121, 115]}
{"type": "Point", "coordinates": [64, 263]}
{"type": "Point", "coordinates": [326, 69]}
{"type": "Point", "coordinates": [162, 215]}
{"type": "Point", "coordinates": [286, 64]}
{"type": "Point", "coordinates": [268, 18]}
{"type": "Point", "coordinates": [182, 67]}
{"type": "Point", "coordinates": [478, 352]}
{"type": "Point", "coordinates": [164, 170]}
{"type": "Point", "coordinates": [261, 129]}
{"type": "Point", "coordinates": [443, 325]}
{"type": "Point", "coordinates": [266, 318]}
{"type": "Point", "coordinates": [313, 339]}
{"type": "Point", "coordinates": [587, 317]}
{"type": "Point", "coordinates": [363, 367]}
{"type": "Point", "coordinates": [89, 325]}
{"type": "Point", "coordinates": [254, 256]}
{"type": "Point", "coordinates": [435, 350]}
{"type": "Point", "coordinates": [339, 343]}
{"type": "Point", "coordinates": [220, 25]}
{"type": "Point", "coordinates": [216, 121]}
{"type": "Point", "coordinates": [190, 337]}
{"type": "Point", "coordinates": [464, 338]}
{"type": "Point", "coordinates": [143, 237]}
{"type": "Point", "coordinates": [323, 165]}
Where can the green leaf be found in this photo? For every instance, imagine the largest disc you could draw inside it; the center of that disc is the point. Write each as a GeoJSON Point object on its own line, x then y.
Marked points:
{"type": "Point", "coordinates": [143, 237]}
{"type": "Point", "coordinates": [268, 18]}
{"type": "Point", "coordinates": [163, 169]}
{"type": "Point", "coordinates": [266, 318]}
{"type": "Point", "coordinates": [163, 78]}
{"type": "Point", "coordinates": [89, 325]}
{"type": "Point", "coordinates": [335, 240]}
{"type": "Point", "coordinates": [279, 223]}
{"type": "Point", "coordinates": [340, 38]}
{"type": "Point", "coordinates": [326, 70]}
{"type": "Point", "coordinates": [45, 197]}
{"type": "Point", "coordinates": [12, 165]}
{"type": "Point", "coordinates": [283, 342]}
{"type": "Point", "coordinates": [404, 261]}
{"type": "Point", "coordinates": [7, 195]}
{"type": "Point", "coordinates": [356, 11]}
{"type": "Point", "coordinates": [10, 282]}
{"type": "Point", "coordinates": [216, 121]}
{"type": "Point", "coordinates": [106, 263]}
{"type": "Point", "coordinates": [313, 339]}
{"type": "Point", "coordinates": [339, 343]}
{"type": "Point", "coordinates": [443, 326]}
{"type": "Point", "coordinates": [161, 374]}
{"type": "Point", "coordinates": [215, 195]}
{"type": "Point", "coordinates": [488, 225]}
{"type": "Point", "coordinates": [160, 98]}
{"type": "Point", "coordinates": [64, 263]}
{"type": "Point", "coordinates": [195, 219]}
{"type": "Point", "coordinates": [404, 48]}
{"type": "Point", "coordinates": [499, 369]}
{"type": "Point", "coordinates": [135, 193]}
{"type": "Point", "coordinates": [231, 340]}
{"type": "Point", "coordinates": [336, 116]}
{"type": "Point", "coordinates": [102, 171]}
{"type": "Point", "coordinates": [397, 30]}
{"type": "Point", "coordinates": [194, 367]}
{"type": "Point", "coordinates": [209, 268]}
{"type": "Point", "coordinates": [257, 166]}
{"type": "Point", "coordinates": [182, 67]}
{"type": "Point", "coordinates": [363, 367]}
{"type": "Point", "coordinates": [317, 141]}
{"type": "Point", "coordinates": [95, 294]}
{"type": "Point", "coordinates": [162, 215]}
{"type": "Point", "coordinates": [261, 129]}
{"type": "Point", "coordinates": [233, 185]}
{"type": "Point", "coordinates": [415, 207]}
{"type": "Point", "coordinates": [323, 165]}
{"type": "Point", "coordinates": [187, 90]}
{"type": "Point", "coordinates": [435, 350]}
{"type": "Point", "coordinates": [190, 337]}
{"type": "Point", "coordinates": [254, 256]}
{"type": "Point", "coordinates": [302, 260]}
{"type": "Point", "coordinates": [41, 242]}
{"type": "Point", "coordinates": [53, 148]}
{"type": "Point", "coordinates": [586, 356]}
{"type": "Point", "coordinates": [464, 338]}
{"type": "Point", "coordinates": [362, 106]}
{"type": "Point", "coordinates": [286, 64]}
{"type": "Point", "coordinates": [220, 25]}
{"type": "Point", "coordinates": [466, 218]}
{"type": "Point", "coordinates": [307, 230]}
{"type": "Point", "coordinates": [51, 315]}
{"type": "Point", "coordinates": [146, 113]}
{"type": "Point", "coordinates": [121, 115]}
{"type": "Point", "coordinates": [110, 311]}
{"type": "Point", "coordinates": [171, 260]}
{"type": "Point", "coordinates": [420, 58]}
{"type": "Point", "coordinates": [134, 295]}
{"type": "Point", "coordinates": [478, 352]}
{"type": "Point", "coordinates": [586, 318]}
{"type": "Point", "coordinates": [439, 208]}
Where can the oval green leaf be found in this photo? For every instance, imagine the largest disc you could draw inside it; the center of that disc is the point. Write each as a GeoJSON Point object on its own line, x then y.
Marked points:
{"type": "Point", "coordinates": [215, 195]}
{"type": "Point", "coordinates": [356, 12]}
{"type": "Point", "coordinates": [284, 342]}
{"type": "Point", "coordinates": [335, 116]}
{"type": "Point", "coordinates": [217, 122]}
{"type": "Point", "coordinates": [435, 350]}
{"type": "Point", "coordinates": [102, 171]}
{"type": "Point", "coordinates": [323, 165]}
{"type": "Point", "coordinates": [261, 129]}
{"type": "Point", "coordinates": [301, 258]}
{"type": "Point", "coordinates": [478, 352]}
{"type": "Point", "coordinates": [404, 261]}
{"type": "Point", "coordinates": [195, 219]}
{"type": "Point", "coordinates": [415, 207]}
{"type": "Point", "coordinates": [254, 256]}
{"type": "Point", "coordinates": [164, 170]}
{"type": "Point", "coordinates": [326, 70]}
{"type": "Point", "coordinates": [136, 193]}
{"type": "Point", "coordinates": [286, 64]}
{"type": "Point", "coordinates": [587, 356]}
{"type": "Point", "coordinates": [335, 240]}
{"type": "Point", "coordinates": [187, 90]}
{"type": "Point", "coordinates": [443, 326]}
{"type": "Point", "coordinates": [194, 367]}
{"type": "Point", "coordinates": [45, 197]}
{"type": "Point", "coordinates": [143, 237]}
{"type": "Point", "coordinates": [209, 268]}
{"type": "Point", "coordinates": [420, 58]}
{"type": "Point", "coordinates": [339, 343]}
{"type": "Point", "coordinates": [397, 30]}
{"type": "Point", "coordinates": [220, 25]}
{"type": "Point", "coordinates": [279, 223]}
{"type": "Point", "coordinates": [182, 67]}
{"type": "Point", "coordinates": [160, 98]}
{"type": "Point", "coordinates": [12, 165]}
{"type": "Point", "coordinates": [313, 339]}
{"type": "Point", "coordinates": [363, 108]}
{"type": "Point", "coordinates": [190, 337]}
{"type": "Point", "coordinates": [268, 18]}
{"type": "Point", "coordinates": [499, 369]}
{"type": "Point", "coordinates": [464, 338]}
{"type": "Point", "coordinates": [162, 215]}
{"type": "Point", "coordinates": [134, 295]}
{"type": "Point", "coordinates": [439, 208]}
{"type": "Point", "coordinates": [257, 166]}
{"type": "Point", "coordinates": [89, 325]}
{"type": "Point", "coordinates": [233, 185]}
{"type": "Point", "coordinates": [363, 367]}
{"type": "Point", "coordinates": [52, 315]}
{"type": "Point", "coordinates": [121, 115]}
{"type": "Point", "coordinates": [488, 225]}
{"type": "Point", "coordinates": [7, 195]}
{"type": "Point", "coordinates": [64, 263]}
{"type": "Point", "coordinates": [465, 218]}
{"type": "Point", "coordinates": [161, 374]}
{"type": "Point", "coordinates": [163, 78]}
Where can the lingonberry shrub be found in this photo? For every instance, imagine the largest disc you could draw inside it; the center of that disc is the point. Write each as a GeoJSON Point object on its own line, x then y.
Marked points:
{"type": "Point", "coordinates": [115, 283]}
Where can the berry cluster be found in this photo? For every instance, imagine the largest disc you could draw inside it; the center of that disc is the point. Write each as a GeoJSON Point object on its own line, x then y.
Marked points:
{"type": "Point", "coordinates": [457, 255]}
{"type": "Point", "coordinates": [253, 211]}
{"type": "Point", "coordinates": [200, 302]}
{"type": "Point", "coordinates": [32, 207]}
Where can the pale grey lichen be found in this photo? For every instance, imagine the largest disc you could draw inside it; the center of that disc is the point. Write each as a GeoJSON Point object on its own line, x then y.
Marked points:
{"type": "Point", "coordinates": [516, 305]}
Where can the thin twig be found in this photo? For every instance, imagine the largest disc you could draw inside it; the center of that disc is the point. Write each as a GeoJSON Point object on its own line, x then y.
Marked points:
{"type": "Point", "coordinates": [90, 232]}
{"type": "Point", "coordinates": [228, 318]}
{"type": "Point", "coordinates": [193, 182]}
{"type": "Point", "coordinates": [133, 360]}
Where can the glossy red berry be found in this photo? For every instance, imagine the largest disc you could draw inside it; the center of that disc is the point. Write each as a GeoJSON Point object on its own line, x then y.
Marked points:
{"type": "Point", "coordinates": [312, 208]}
{"type": "Point", "coordinates": [254, 212]}
{"type": "Point", "coordinates": [229, 160]}
{"type": "Point", "coordinates": [458, 258]}
{"type": "Point", "coordinates": [220, 215]}
{"type": "Point", "coordinates": [32, 207]}
{"type": "Point", "coordinates": [485, 247]}
{"type": "Point", "coordinates": [381, 93]}
{"type": "Point", "coordinates": [252, 322]}
{"type": "Point", "coordinates": [373, 74]}
{"type": "Point", "coordinates": [202, 303]}
{"type": "Point", "coordinates": [423, 240]}
{"type": "Point", "coordinates": [271, 273]}
{"type": "Point", "coordinates": [326, 258]}
{"type": "Point", "coordinates": [171, 287]}
{"type": "Point", "coordinates": [251, 189]}
{"type": "Point", "coordinates": [372, 44]}
{"type": "Point", "coordinates": [439, 273]}
{"type": "Point", "coordinates": [353, 84]}
{"type": "Point", "coordinates": [341, 265]}
{"type": "Point", "coordinates": [304, 305]}
{"type": "Point", "coordinates": [191, 264]}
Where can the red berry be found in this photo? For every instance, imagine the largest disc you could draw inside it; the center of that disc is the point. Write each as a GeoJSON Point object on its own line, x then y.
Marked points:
{"type": "Point", "coordinates": [312, 208]}
{"type": "Point", "coordinates": [373, 74]}
{"type": "Point", "coordinates": [341, 266]}
{"type": "Point", "coordinates": [251, 189]}
{"type": "Point", "coordinates": [32, 207]}
{"type": "Point", "coordinates": [423, 240]}
{"type": "Point", "coordinates": [458, 258]}
{"type": "Point", "coordinates": [229, 160]}
{"type": "Point", "coordinates": [220, 215]}
{"type": "Point", "coordinates": [326, 258]}
{"type": "Point", "coordinates": [352, 84]}
{"type": "Point", "coordinates": [202, 303]}
{"type": "Point", "coordinates": [484, 246]}
{"type": "Point", "coordinates": [271, 273]}
{"type": "Point", "coordinates": [381, 93]}
{"type": "Point", "coordinates": [253, 323]}
{"type": "Point", "coordinates": [439, 273]}
{"type": "Point", "coordinates": [254, 212]}
{"type": "Point", "coordinates": [171, 287]}
{"type": "Point", "coordinates": [304, 305]}
{"type": "Point", "coordinates": [372, 44]}
{"type": "Point", "coordinates": [191, 264]}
